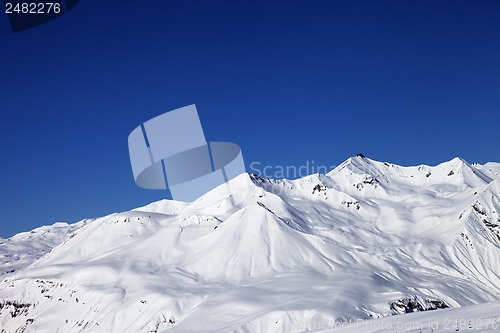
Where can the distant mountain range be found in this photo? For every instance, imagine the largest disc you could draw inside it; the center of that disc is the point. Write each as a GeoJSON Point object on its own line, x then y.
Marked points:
{"type": "Point", "coordinates": [367, 240]}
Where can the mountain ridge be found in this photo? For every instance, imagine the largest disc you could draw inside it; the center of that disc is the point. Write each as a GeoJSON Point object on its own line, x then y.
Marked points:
{"type": "Point", "coordinates": [349, 244]}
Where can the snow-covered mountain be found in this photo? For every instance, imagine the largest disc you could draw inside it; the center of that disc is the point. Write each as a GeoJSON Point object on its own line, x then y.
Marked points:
{"type": "Point", "coordinates": [367, 240]}
{"type": "Point", "coordinates": [24, 248]}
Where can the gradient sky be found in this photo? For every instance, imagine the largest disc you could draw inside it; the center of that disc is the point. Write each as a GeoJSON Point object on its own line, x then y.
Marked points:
{"type": "Point", "coordinates": [408, 82]}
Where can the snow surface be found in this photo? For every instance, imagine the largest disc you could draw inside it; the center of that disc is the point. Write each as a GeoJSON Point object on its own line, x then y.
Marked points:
{"type": "Point", "coordinates": [24, 248]}
{"type": "Point", "coordinates": [367, 240]}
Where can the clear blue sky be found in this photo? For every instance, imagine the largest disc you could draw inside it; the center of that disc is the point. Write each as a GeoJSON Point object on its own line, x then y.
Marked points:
{"type": "Point", "coordinates": [408, 82]}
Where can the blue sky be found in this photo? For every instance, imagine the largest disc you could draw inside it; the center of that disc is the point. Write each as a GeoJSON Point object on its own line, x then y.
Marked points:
{"type": "Point", "coordinates": [408, 82]}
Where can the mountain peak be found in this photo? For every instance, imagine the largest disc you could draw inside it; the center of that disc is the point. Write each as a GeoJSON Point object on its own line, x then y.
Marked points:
{"type": "Point", "coordinates": [456, 172]}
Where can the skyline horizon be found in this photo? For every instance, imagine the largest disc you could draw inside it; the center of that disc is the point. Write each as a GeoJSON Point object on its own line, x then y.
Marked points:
{"type": "Point", "coordinates": [293, 167]}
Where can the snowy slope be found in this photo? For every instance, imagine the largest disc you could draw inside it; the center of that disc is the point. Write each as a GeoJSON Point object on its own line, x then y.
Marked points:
{"type": "Point", "coordinates": [367, 240]}
{"type": "Point", "coordinates": [24, 248]}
